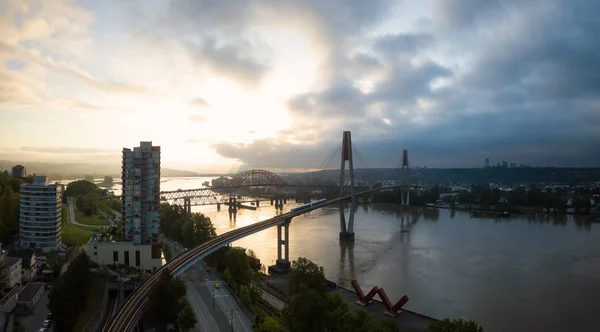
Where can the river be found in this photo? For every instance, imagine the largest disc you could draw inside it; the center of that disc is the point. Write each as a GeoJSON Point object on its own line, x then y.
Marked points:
{"type": "Point", "coordinates": [520, 274]}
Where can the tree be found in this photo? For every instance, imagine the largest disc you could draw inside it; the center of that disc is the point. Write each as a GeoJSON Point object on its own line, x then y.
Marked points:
{"type": "Point", "coordinates": [69, 293]}
{"type": "Point", "coordinates": [253, 260]}
{"type": "Point", "coordinates": [204, 228]}
{"type": "Point", "coordinates": [360, 321]}
{"type": "Point", "coordinates": [306, 272]}
{"type": "Point", "coordinates": [387, 325]}
{"type": "Point", "coordinates": [187, 233]}
{"type": "Point", "coordinates": [15, 184]}
{"type": "Point", "coordinates": [245, 295]}
{"type": "Point", "coordinates": [187, 318]}
{"type": "Point", "coordinates": [9, 213]}
{"type": "Point", "coordinates": [338, 312]}
{"type": "Point", "coordinates": [164, 305]}
{"type": "Point", "coordinates": [268, 325]}
{"type": "Point", "coordinates": [454, 325]}
{"type": "Point", "coordinates": [176, 230]}
{"type": "Point", "coordinates": [306, 310]}
{"type": "Point", "coordinates": [80, 187]}
{"type": "Point", "coordinates": [238, 265]}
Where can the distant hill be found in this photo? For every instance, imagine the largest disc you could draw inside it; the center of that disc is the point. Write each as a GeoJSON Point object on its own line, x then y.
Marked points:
{"type": "Point", "coordinates": [69, 171]}
{"type": "Point", "coordinates": [520, 175]}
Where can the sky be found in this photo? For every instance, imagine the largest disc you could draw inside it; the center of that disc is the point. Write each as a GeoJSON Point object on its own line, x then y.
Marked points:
{"type": "Point", "coordinates": [222, 84]}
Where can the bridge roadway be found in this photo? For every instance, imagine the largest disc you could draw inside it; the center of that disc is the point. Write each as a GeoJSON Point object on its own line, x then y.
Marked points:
{"type": "Point", "coordinates": [135, 304]}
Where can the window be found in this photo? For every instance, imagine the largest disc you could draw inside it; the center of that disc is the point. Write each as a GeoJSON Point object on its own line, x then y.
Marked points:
{"type": "Point", "coordinates": [126, 253]}
{"type": "Point", "coordinates": [115, 256]}
{"type": "Point", "coordinates": [137, 258]}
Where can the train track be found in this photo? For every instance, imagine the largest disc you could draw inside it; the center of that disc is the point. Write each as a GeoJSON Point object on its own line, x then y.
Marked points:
{"type": "Point", "coordinates": [136, 303]}
{"type": "Point", "coordinates": [272, 312]}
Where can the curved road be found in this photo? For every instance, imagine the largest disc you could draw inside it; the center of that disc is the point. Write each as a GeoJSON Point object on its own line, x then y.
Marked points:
{"type": "Point", "coordinates": [136, 303]}
{"type": "Point", "coordinates": [71, 218]}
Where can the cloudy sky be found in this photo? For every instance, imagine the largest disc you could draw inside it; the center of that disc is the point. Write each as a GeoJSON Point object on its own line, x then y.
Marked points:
{"type": "Point", "coordinates": [224, 83]}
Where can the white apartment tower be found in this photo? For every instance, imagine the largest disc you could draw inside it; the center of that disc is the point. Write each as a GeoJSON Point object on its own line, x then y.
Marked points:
{"type": "Point", "coordinates": [40, 215]}
{"type": "Point", "coordinates": [140, 198]}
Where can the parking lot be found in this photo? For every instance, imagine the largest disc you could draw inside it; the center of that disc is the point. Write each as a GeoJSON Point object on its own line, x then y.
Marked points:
{"type": "Point", "coordinates": [34, 322]}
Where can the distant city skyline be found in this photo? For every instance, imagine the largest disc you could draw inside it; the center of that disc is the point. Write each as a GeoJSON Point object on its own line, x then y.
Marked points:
{"type": "Point", "coordinates": [221, 85]}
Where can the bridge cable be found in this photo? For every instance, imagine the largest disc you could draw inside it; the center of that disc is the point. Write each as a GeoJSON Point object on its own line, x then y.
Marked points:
{"type": "Point", "coordinates": [325, 163]}
{"type": "Point", "coordinates": [361, 158]}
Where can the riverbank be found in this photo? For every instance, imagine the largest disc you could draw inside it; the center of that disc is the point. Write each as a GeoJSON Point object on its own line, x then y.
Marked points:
{"type": "Point", "coordinates": [520, 210]}
{"type": "Point", "coordinates": [407, 321]}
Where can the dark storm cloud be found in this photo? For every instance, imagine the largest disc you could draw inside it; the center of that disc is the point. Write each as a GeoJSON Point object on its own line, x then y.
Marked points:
{"type": "Point", "coordinates": [520, 81]}
{"type": "Point", "coordinates": [227, 59]}
{"type": "Point", "coordinates": [339, 101]}
{"type": "Point", "coordinates": [397, 44]}
{"type": "Point", "coordinates": [217, 33]}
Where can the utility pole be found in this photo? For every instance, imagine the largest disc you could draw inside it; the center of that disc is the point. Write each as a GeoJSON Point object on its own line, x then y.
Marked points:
{"type": "Point", "coordinates": [213, 295]}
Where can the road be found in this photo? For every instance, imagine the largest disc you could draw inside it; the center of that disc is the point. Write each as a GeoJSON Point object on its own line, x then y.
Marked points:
{"type": "Point", "coordinates": [113, 222]}
{"type": "Point", "coordinates": [71, 218]}
{"type": "Point", "coordinates": [205, 318]}
{"type": "Point", "coordinates": [200, 284]}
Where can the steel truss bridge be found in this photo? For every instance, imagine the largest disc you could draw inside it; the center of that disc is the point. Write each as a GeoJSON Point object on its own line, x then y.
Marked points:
{"type": "Point", "coordinates": [136, 303]}
{"type": "Point", "coordinates": [244, 193]}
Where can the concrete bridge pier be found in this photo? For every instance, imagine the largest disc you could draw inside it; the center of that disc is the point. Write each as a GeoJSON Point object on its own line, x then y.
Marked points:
{"type": "Point", "coordinates": [218, 206]}
{"type": "Point", "coordinates": [257, 203]}
{"type": "Point", "coordinates": [271, 201]}
{"type": "Point", "coordinates": [346, 236]}
{"type": "Point", "coordinates": [405, 196]}
{"type": "Point", "coordinates": [347, 229]}
{"type": "Point", "coordinates": [282, 265]}
{"type": "Point", "coordinates": [187, 205]}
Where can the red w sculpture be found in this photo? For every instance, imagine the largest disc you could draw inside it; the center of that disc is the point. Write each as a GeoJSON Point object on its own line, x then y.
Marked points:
{"type": "Point", "coordinates": [393, 309]}
{"type": "Point", "coordinates": [361, 296]}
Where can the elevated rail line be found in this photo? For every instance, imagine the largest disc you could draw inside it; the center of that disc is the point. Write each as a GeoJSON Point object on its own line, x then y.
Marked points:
{"type": "Point", "coordinates": [136, 303]}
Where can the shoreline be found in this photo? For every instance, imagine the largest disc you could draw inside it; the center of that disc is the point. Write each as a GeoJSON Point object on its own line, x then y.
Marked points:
{"type": "Point", "coordinates": [533, 213]}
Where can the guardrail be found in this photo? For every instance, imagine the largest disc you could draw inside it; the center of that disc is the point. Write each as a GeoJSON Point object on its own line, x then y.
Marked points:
{"type": "Point", "coordinates": [95, 323]}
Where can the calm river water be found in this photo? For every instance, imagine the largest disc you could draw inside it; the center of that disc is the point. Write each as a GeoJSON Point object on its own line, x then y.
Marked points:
{"type": "Point", "coordinates": [521, 274]}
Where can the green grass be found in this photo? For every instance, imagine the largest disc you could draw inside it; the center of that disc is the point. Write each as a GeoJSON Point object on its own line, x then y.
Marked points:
{"type": "Point", "coordinates": [107, 209]}
{"type": "Point", "coordinates": [70, 233]}
{"type": "Point", "coordinates": [93, 220]}
{"type": "Point", "coordinates": [94, 299]}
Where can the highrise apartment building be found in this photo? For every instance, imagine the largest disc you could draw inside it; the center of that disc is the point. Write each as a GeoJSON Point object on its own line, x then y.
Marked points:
{"type": "Point", "coordinates": [40, 215]}
{"type": "Point", "coordinates": [140, 199]}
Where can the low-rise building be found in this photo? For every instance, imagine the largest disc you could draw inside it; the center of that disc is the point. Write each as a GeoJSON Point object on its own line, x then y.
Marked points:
{"type": "Point", "coordinates": [28, 297]}
{"type": "Point", "coordinates": [139, 256]}
{"type": "Point", "coordinates": [11, 270]}
{"type": "Point", "coordinates": [29, 265]}
{"type": "Point", "coordinates": [18, 171]}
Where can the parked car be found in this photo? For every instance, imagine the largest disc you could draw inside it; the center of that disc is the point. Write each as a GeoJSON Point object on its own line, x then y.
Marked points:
{"type": "Point", "coordinates": [47, 323]}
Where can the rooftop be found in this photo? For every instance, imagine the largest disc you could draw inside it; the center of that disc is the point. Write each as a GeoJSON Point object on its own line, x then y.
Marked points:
{"type": "Point", "coordinates": [97, 237]}
{"type": "Point", "coordinates": [25, 254]}
{"type": "Point", "coordinates": [29, 291]}
{"type": "Point", "coordinates": [10, 261]}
